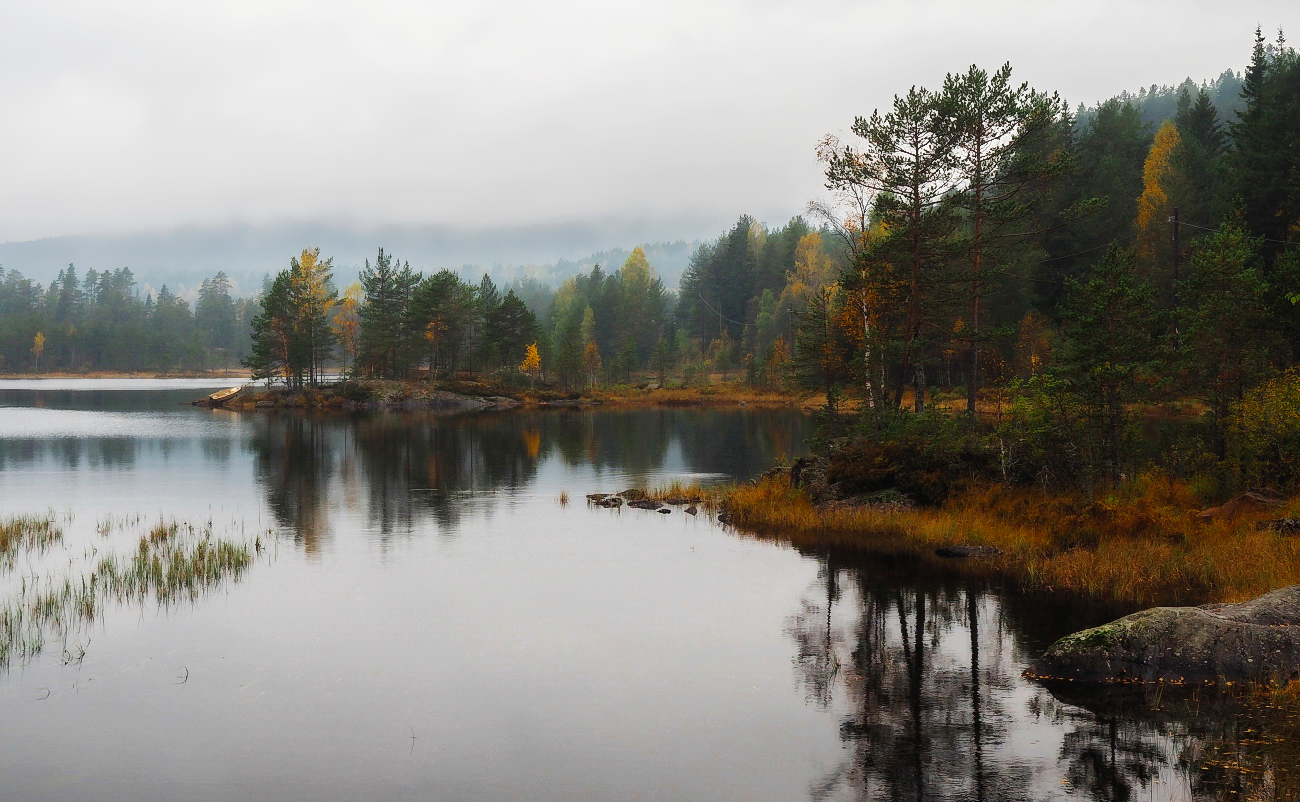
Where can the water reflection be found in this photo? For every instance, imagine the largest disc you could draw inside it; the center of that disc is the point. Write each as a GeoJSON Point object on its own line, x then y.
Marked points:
{"type": "Point", "coordinates": [396, 470]}
{"type": "Point", "coordinates": [404, 468]}
{"type": "Point", "coordinates": [926, 668]}
{"type": "Point", "coordinates": [638, 652]}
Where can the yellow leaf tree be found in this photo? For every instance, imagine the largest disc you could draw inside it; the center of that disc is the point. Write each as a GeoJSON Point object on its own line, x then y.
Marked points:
{"type": "Point", "coordinates": [347, 321]}
{"type": "Point", "coordinates": [532, 364]}
{"type": "Point", "coordinates": [591, 361]}
{"type": "Point", "coordinates": [1161, 186]}
{"type": "Point", "coordinates": [38, 348]}
{"type": "Point", "coordinates": [313, 298]}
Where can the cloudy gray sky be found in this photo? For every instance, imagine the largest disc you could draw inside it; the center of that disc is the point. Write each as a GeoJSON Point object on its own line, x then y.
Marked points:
{"type": "Point", "coordinates": [125, 116]}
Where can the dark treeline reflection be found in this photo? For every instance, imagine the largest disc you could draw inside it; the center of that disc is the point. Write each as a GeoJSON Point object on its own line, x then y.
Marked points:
{"type": "Point", "coordinates": [401, 467]}
{"type": "Point", "coordinates": [72, 453]}
{"type": "Point", "coordinates": [928, 667]}
{"type": "Point", "coordinates": [97, 400]}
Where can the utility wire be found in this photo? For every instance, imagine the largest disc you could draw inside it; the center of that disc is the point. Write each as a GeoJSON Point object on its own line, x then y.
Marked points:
{"type": "Point", "coordinates": [1089, 250]}
{"type": "Point", "coordinates": [1203, 228]}
{"type": "Point", "coordinates": [719, 314]}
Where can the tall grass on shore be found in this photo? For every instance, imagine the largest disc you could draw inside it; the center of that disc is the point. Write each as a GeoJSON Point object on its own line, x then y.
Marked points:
{"type": "Point", "coordinates": [171, 562]}
{"type": "Point", "coordinates": [1141, 544]}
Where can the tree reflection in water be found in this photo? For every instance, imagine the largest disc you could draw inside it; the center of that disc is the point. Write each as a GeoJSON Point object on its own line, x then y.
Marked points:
{"type": "Point", "coordinates": [925, 668]}
{"type": "Point", "coordinates": [405, 468]}
{"type": "Point", "coordinates": [930, 668]}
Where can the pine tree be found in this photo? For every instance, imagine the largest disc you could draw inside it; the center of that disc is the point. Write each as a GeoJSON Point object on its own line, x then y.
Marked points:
{"type": "Point", "coordinates": [1198, 159]}
{"type": "Point", "coordinates": [1223, 336]}
{"type": "Point", "coordinates": [1105, 355]}
{"type": "Point", "coordinates": [511, 327]}
{"type": "Point", "coordinates": [1001, 129]}
{"type": "Point", "coordinates": [277, 347]}
{"type": "Point", "coordinates": [907, 163]}
{"type": "Point", "coordinates": [385, 340]}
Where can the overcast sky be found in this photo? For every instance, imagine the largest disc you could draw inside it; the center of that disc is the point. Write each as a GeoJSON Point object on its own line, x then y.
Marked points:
{"type": "Point", "coordinates": [127, 116]}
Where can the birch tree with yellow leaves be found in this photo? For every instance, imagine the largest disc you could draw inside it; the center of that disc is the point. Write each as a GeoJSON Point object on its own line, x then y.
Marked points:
{"type": "Point", "coordinates": [38, 348]}
{"type": "Point", "coordinates": [532, 364]}
{"type": "Point", "coordinates": [347, 322]}
{"type": "Point", "coordinates": [313, 296]}
{"type": "Point", "coordinates": [1161, 188]}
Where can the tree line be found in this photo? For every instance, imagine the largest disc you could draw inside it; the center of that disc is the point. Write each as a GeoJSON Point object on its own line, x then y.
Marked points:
{"type": "Point", "coordinates": [392, 324]}
{"type": "Point", "coordinates": [102, 321]}
{"type": "Point", "coordinates": [1062, 274]}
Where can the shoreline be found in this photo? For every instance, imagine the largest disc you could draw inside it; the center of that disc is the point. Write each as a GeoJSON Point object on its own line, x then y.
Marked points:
{"type": "Point", "coordinates": [1143, 547]}
{"type": "Point", "coordinates": [472, 395]}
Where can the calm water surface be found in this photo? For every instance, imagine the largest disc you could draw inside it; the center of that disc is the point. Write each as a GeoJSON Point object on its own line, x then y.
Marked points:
{"type": "Point", "coordinates": [431, 623]}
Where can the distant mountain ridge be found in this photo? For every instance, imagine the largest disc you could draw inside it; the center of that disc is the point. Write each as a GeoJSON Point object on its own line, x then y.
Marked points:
{"type": "Point", "coordinates": [182, 257]}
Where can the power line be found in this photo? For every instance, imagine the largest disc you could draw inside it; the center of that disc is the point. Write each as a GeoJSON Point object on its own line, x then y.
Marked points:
{"type": "Point", "coordinates": [719, 314]}
{"type": "Point", "coordinates": [1089, 250]}
{"type": "Point", "coordinates": [1203, 228]}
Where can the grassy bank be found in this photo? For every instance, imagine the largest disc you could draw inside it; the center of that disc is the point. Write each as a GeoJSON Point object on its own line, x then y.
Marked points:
{"type": "Point", "coordinates": [1142, 544]}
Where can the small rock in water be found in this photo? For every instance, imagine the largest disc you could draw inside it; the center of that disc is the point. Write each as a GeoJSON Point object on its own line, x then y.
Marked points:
{"type": "Point", "coordinates": [724, 518]}
{"type": "Point", "coordinates": [632, 494]}
{"type": "Point", "coordinates": [692, 510]}
{"type": "Point", "coordinates": [663, 511]}
{"type": "Point", "coordinates": [645, 504]}
{"type": "Point", "coordinates": [610, 502]}
{"type": "Point", "coordinates": [597, 497]}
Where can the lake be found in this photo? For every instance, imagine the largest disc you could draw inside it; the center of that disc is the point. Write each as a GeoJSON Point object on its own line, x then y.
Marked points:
{"type": "Point", "coordinates": [426, 620]}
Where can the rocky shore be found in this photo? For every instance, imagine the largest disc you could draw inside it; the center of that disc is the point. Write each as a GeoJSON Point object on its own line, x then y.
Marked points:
{"type": "Point", "coordinates": [1258, 640]}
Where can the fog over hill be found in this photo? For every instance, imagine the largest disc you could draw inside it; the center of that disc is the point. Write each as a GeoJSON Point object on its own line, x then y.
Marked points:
{"type": "Point", "coordinates": [184, 256]}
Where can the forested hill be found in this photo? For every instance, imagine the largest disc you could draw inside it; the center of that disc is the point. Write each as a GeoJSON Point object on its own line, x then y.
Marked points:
{"type": "Point", "coordinates": [181, 258]}
{"type": "Point", "coordinates": [1157, 104]}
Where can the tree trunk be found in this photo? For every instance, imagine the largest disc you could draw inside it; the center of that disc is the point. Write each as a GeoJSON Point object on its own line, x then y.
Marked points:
{"type": "Point", "coordinates": [977, 255]}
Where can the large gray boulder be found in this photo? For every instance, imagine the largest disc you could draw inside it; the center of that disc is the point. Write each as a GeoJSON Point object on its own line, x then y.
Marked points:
{"type": "Point", "coordinates": [1254, 640]}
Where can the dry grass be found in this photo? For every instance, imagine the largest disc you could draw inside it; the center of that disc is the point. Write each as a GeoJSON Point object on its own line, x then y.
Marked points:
{"type": "Point", "coordinates": [675, 492]}
{"type": "Point", "coordinates": [1143, 544]}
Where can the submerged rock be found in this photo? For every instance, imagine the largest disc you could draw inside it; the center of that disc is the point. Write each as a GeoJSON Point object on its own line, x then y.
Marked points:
{"type": "Point", "coordinates": [692, 510]}
{"type": "Point", "coordinates": [610, 502]}
{"type": "Point", "coordinates": [677, 501]}
{"type": "Point", "coordinates": [596, 498]}
{"type": "Point", "coordinates": [966, 552]}
{"type": "Point", "coordinates": [1254, 640]}
{"type": "Point", "coordinates": [663, 511]}
{"type": "Point", "coordinates": [645, 504]}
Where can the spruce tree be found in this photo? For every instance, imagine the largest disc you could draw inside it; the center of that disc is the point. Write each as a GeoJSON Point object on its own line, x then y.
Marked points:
{"type": "Point", "coordinates": [1106, 351]}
